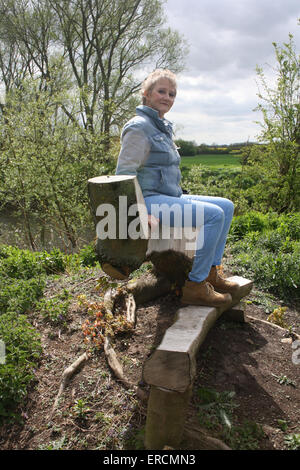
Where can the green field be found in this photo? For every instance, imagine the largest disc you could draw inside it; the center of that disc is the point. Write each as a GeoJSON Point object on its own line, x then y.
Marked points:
{"type": "Point", "coordinates": [212, 160]}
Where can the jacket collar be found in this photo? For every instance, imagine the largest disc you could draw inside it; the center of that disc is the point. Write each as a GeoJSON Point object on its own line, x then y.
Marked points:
{"type": "Point", "coordinates": [163, 124]}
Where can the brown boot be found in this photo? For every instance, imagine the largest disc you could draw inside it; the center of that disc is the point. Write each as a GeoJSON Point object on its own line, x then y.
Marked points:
{"type": "Point", "coordinates": [221, 284]}
{"type": "Point", "coordinates": [203, 293]}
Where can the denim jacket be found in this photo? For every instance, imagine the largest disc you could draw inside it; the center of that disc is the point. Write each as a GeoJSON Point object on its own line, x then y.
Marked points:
{"type": "Point", "coordinates": [148, 151]}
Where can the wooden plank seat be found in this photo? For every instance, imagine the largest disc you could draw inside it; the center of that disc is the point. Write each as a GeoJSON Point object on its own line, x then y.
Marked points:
{"type": "Point", "coordinates": [121, 254]}
{"type": "Point", "coordinates": [171, 369]}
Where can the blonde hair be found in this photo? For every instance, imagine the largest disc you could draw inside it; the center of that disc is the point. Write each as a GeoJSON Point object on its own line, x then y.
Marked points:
{"type": "Point", "coordinates": [153, 78]}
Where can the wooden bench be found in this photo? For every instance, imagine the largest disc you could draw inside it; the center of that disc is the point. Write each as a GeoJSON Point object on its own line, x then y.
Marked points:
{"type": "Point", "coordinates": [171, 369]}
{"type": "Point", "coordinates": [123, 193]}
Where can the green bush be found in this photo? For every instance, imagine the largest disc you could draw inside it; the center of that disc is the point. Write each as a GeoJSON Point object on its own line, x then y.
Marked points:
{"type": "Point", "coordinates": [88, 255]}
{"type": "Point", "coordinates": [270, 256]}
{"type": "Point", "coordinates": [289, 225]}
{"type": "Point", "coordinates": [53, 262]}
{"type": "Point", "coordinates": [251, 222]}
{"type": "Point", "coordinates": [23, 349]}
{"type": "Point", "coordinates": [19, 295]}
{"type": "Point", "coordinates": [25, 264]}
{"type": "Point", "coordinates": [19, 264]}
{"type": "Point", "coordinates": [22, 282]}
{"type": "Point", "coordinates": [55, 309]}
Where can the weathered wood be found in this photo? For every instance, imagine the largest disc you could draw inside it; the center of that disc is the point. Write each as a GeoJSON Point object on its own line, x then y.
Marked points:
{"type": "Point", "coordinates": [115, 364]}
{"type": "Point", "coordinates": [130, 309]}
{"type": "Point", "coordinates": [148, 287]}
{"type": "Point", "coordinates": [122, 254]}
{"type": "Point", "coordinates": [120, 250]}
{"type": "Point", "coordinates": [235, 314]}
{"type": "Point", "coordinates": [171, 372]}
{"type": "Point", "coordinates": [67, 374]}
{"type": "Point", "coordinates": [165, 418]}
{"type": "Point", "coordinates": [173, 363]}
{"type": "Point", "coordinates": [197, 438]}
{"type": "Point", "coordinates": [266, 322]}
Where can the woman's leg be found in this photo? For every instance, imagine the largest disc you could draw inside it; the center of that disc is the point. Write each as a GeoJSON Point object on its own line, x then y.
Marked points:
{"type": "Point", "coordinates": [228, 208]}
{"type": "Point", "coordinates": [212, 221]}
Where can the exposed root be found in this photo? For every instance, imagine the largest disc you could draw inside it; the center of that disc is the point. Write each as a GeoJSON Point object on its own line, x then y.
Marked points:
{"type": "Point", "coordinates": [273, 324]}
{"type": "Point", "coordinates": [131, 308]}
{"type": "Point", "coordinates": [199, 439]}
{"type": "Point", "coordinates": [109, 300]}
{"type": "Point", "coordinates": [67, 374]}
{"type": "Point", "coordinates": [115, 364]}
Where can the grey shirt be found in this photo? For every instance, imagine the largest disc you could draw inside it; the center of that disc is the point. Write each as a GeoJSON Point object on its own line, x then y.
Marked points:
{"type": "Point", "coordinates": [134, 152]}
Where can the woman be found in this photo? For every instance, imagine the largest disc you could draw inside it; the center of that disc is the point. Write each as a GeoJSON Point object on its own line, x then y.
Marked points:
{"type": "Point", "coordinates": [148, 151]}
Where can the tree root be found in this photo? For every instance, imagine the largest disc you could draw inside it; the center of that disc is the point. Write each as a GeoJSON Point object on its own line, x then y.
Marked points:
{"type": "Point", "coordinates": [109, 300]}
{"type": "Point", "coordinates": [197, 438]}
{"type": "Point", "coordinates": [273, 324]}
{"type": "Point", "coordinates": [115, 364]}
{"type": "Point", "coordinates": [67, 374]}
{"type": "Point", "coordinates": [131, 308]}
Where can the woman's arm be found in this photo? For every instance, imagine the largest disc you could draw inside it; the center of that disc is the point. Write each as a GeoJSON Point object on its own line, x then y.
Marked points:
{"type": "Point", "coordinates": [134, 152]}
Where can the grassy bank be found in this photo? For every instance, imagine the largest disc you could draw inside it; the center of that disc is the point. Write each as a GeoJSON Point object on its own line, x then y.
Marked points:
{"type": "Point", "coordinates": [23, 278]}
{"type": "Point", "coordinates": [262, 247]}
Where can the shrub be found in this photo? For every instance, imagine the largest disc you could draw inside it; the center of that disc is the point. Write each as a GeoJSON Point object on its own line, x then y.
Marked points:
{"type": "Point", "coordinates": [88, 255]}
{"type": "Point", "coordinates": [53, 262]}
{"type": "Point", "coordinates": [19, 264]}
{"type": "Point", "coordinates": [289, 225]}
{"type": "Point", "coordinates": [19, 295]}
{"type": "Point", "coordinates": [276, 272]}
{"type": "Point", "coordinates": [266, 247]}
{"type": "Point", "coordinates": [55, 309]}
{"type": "Point", "coordinates": [22, 276]}
{"type": "Point", "coordinates": [251, 222]}
{"type": "Point", "coordinates": [25, 264]}
{"type": "Point", "coordinates": [23, 349]}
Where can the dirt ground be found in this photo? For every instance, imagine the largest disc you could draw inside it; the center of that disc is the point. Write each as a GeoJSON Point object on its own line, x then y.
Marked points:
{"type": "Point", "coordinates": [96, 412]}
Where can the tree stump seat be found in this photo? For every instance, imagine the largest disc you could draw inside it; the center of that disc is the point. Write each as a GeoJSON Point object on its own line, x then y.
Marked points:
{"type": "Point", "coordinates": [117, 201]}
{"type": "Point", "coordinates": [171, 369]}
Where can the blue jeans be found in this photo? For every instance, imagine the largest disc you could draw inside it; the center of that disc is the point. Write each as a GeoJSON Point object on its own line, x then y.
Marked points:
{"type": "Point", "coordinates": [217, 216]}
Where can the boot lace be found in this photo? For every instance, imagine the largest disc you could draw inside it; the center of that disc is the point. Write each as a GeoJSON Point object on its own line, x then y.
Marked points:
{"type": "Point", "coordinates": [209, 287]}
{"type": "Point", "coordinates": [220, 271]}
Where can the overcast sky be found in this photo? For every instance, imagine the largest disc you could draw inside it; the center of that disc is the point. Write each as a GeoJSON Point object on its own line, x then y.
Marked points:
{"type": "Point", "coordinates": [217, 92]}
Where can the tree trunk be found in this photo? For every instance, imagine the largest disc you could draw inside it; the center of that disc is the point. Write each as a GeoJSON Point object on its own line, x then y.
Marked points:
{"type": "Point", "coordinates": [124, 238]}
{"type": "Point", "coordinates": [111, 197]}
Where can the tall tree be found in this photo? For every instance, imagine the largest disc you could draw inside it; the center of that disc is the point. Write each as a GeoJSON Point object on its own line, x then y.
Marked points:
{"type": "Point", "coordinates": [280, 105]}
{"type": "Point", "coordinates": [103, 43]}
{"type": "Point", "coordinates": [69, 73]}
{"type": "Point", "coordinates": [278, 162]}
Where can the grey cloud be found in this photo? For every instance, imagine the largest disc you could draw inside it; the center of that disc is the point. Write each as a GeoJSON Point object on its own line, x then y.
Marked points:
{"type": "Point", "coordinates": [226, 32]}
{"type": "Point", "coordinates": [221, 106]}
{"type": "Point", "coordinates": [227, 38]}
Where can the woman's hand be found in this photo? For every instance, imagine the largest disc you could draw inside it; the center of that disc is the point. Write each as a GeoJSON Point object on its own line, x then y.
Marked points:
{"type": "Point", "coordinates": [152, 221]}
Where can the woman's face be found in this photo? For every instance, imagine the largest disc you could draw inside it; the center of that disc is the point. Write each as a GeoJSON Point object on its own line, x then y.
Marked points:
{"type": "Point", "coordinates": [161, 97]}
